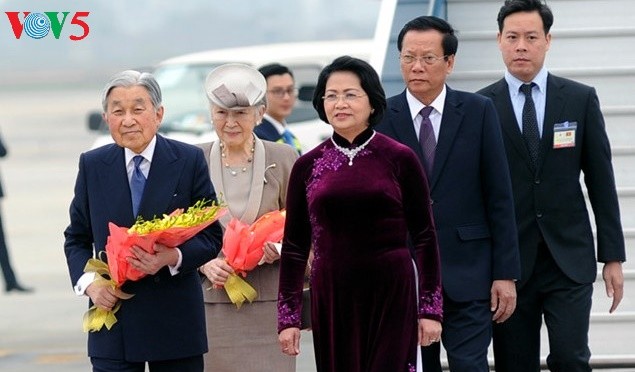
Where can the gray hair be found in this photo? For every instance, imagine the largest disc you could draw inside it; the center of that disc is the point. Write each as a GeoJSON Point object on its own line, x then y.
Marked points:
{"type": "Point", "coordinates": [131, 78]}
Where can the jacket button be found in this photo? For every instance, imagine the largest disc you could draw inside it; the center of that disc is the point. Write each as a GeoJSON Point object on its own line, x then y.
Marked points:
{"type": "Point", "coordinates": [537, 181]}
{"type": "Point", "coordinates": [157, 279]}
{"type": "Point", "coordinates": [431, 202]}
{"type": "Point", "coordinates": [539, 215]}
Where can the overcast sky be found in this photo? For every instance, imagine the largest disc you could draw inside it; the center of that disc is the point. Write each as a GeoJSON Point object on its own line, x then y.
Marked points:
{"type": "Point", "coordinates": [127, 33]}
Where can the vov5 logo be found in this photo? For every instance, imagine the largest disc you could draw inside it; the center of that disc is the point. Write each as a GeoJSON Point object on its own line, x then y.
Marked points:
{"type": "Point", "coordinates": [38, 25]}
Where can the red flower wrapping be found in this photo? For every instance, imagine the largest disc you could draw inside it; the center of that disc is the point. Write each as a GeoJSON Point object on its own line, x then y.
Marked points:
{"type": "Point", "coordinates": [120, 242]}
{"type": "Point", "coordinates": [243, 244]}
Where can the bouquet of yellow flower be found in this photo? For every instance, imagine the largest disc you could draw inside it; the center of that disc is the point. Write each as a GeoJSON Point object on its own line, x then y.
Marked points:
{"type": "Point", "coordinates": [170, 230]}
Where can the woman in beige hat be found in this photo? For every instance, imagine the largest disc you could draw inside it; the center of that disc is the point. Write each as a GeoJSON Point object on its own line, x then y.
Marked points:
{"type": "Point", "coordinates": [251, 176]}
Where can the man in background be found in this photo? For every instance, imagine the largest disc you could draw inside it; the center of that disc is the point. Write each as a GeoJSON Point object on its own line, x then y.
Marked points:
{"type": "Point", "coordinates": [281, 96]}
{"type": "Point", "coordinates": [457, 138]}
{"type": "Point", "coordinates": [553, 130]}
{"type": "Point", "coordinates": [11, 283]}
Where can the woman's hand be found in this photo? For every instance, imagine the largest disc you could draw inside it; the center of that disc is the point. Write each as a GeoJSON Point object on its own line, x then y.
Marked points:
{"type": "Point", "coordinates": [271, 253]}
{"type": "Point", "coordinates": [289, 340]}
{"type": "Point", "coordinates": [429, 332]}
{"type": "Point", "coordinates": [217, 271]}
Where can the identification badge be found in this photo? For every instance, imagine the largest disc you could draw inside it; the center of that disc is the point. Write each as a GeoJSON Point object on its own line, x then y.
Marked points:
{"type": "Point", "coordinates": [564, 134]}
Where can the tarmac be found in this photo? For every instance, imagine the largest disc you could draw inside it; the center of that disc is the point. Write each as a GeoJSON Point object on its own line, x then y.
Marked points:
{"type": "Point", "coordinates": [45, 132]}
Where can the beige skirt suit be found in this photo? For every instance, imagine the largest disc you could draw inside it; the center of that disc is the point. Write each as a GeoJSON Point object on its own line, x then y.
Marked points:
{"type": "Point", "coordinates": [246, 339]}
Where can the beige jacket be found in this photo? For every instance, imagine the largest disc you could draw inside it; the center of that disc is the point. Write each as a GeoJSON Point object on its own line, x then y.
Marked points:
{"type": "Point", "coordinates": [272, 165]}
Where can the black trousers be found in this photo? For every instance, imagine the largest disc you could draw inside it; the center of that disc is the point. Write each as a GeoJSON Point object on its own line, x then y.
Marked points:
{"type": "Point", "coordinates": [5, 263]}
{"type": "Point", "coordinates": [467, 332]}
{"type": "Point", "coordinates": [192, 364]}
{"type": "Point", "coordinates": [566, 308]}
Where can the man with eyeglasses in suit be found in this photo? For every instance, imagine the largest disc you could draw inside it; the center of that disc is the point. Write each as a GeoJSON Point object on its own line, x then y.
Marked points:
{"type": "Point", "coordinates": [281, 96]}
{"type": "Point", "coordinates": [457, 137]}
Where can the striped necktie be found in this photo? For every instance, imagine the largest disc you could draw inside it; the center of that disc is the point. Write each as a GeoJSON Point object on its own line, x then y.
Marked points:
{"type": "Point", "coordinates": [426, 139]}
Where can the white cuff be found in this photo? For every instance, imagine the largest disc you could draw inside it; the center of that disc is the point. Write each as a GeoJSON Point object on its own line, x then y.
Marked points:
{"type": "Point", "coordinates": [83, 283]}
{"type": "Point", "coordinates": [175, 269]}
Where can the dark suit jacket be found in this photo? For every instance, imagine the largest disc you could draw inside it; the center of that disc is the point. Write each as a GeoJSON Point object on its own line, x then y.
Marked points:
{"type": "Point", "coordinates": [266, 131]}
{"type": "Point", "coordinates": [165, 318]}
{"type": "Point", "coordinates": [549, 201]}
{"type": "Point", "coordinates": [470, 191]}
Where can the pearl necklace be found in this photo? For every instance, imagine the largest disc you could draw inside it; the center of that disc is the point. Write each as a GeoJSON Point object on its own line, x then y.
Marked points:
{"type": "Point", "coordinates": [234, 172]}
{"type": "Point", "coordinates": [351, 153]}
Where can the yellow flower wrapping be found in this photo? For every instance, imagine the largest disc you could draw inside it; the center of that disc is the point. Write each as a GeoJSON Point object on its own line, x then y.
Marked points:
{"type": "Point", "coordinates": [96, 318]}
{"type": "Point", "coordinates": [239, 290]}
{"type": "Point", "coordinates": [198, 214]}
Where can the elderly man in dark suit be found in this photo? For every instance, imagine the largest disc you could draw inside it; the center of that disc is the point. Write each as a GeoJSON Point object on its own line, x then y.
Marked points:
{"type": "Point", "coordinates": [164, 323]}
{"type": "Point", "coordinates": [457, 138]}
{"type": "Point", "coordinates": [553, 130]}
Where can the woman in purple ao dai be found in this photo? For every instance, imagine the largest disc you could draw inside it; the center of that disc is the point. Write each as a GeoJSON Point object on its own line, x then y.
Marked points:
{"type": "Point", "coordinates": [357, 199]}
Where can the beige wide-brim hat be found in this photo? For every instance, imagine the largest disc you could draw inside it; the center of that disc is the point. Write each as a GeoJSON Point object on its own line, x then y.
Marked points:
{"type": "Point", "coordinates": [235, 85]}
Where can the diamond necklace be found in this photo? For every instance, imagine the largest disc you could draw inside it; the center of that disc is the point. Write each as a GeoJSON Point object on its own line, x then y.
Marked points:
{"type": "Point", "coordinates": [351, 153]}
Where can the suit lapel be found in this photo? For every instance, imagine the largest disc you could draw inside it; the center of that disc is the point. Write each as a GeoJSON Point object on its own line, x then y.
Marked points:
{"type": "Point", "coordinates": [257, 184]}
{"type": "Point", "coordinates": [509, 124]}
{"type": "Point", "coordinates": [403, 127]}
{"type": "Point", "coordinates": [450, 124]}
{"type": "Point", "coordinates": [269, 130]}
{"type": "Point", "coordinates": [553, 107]}
{"type": "Point", "coordinates": [164, 175]}
{"type": "Point", "coordinates": [114, 180]}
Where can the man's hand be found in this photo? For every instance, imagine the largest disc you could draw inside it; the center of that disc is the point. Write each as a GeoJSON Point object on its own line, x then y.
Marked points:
{"type": "Point", "coordinates": [103, 296]}
{"type": "Point", "coordinates": [503, 299]}
{"type": "Point", "coordinates": [614, 282]}
{"type": "Point", "coordinates": [149, 263]}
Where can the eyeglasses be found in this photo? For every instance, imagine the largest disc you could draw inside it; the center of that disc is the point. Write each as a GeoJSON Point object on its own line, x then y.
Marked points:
{"type": "Point", "coordinates": [280, 92]}
{"type": "Point", "coordinates": [428, 60]}
{"type": "Point", "coordinates": [347, 97]}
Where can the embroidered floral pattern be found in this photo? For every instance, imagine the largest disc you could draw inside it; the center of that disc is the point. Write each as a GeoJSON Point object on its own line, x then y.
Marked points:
{"type": "Point", "coordinates": [431, 303]}
{"type": "Point", "coordinates": [286, 317]}
{"type": "Point", "coordinates": [331, 160]}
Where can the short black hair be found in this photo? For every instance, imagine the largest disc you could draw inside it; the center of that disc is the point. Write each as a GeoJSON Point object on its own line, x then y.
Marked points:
{"type": "Point", "coordinates": [450, 42]}
{"type": "Point", "coordinates": [370, 82]}
{"type": "Point", "coordinates": [515, 6]}
{"type": "Point", "coordinates": [274, 69]}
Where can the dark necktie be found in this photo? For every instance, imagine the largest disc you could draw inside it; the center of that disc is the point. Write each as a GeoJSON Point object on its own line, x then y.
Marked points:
{"type": "Point", "coordinates": [530, 123]}
{"type": "Point", "coordinates": [137, 184]}
{"type": "Point", "coordinates": [426, 139]}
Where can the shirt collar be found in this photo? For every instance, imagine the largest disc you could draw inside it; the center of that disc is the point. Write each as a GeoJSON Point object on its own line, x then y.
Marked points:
{"type": "Point", "coordinates": [146, 153]}
{"type": "Point", "coordinates": [514, 83]}
{"type": "Point", "coordinates": [415, 105]}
